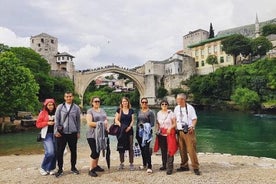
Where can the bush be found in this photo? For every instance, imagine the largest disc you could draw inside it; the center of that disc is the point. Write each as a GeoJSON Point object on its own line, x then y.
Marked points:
{"type": "Point", "coordinates": [246, 98]}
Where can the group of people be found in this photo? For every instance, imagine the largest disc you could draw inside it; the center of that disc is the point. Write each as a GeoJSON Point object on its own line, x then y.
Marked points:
{"type": "Point", "coordinates": [174, 130]}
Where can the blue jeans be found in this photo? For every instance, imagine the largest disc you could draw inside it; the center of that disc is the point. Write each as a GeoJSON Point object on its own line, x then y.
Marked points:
{"type": "Point", "coordinates": [49, 161]}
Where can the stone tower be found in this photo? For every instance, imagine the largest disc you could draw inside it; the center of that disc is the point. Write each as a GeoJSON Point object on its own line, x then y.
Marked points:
{"type": "Point", "coordinates": [257, 27]}
{"type": "Point", "coordinates": [47, 47]}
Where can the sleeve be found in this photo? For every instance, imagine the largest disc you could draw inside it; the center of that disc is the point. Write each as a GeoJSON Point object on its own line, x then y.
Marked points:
{"type": "Point", "coordinates": [118, 110]}
{"type": "Point", "coordinates": [41, 120]}
{"type": "Point", "coordinates": [193, 113]}
{"type": "Point", "coordinates": [78, 118]}
{"type": "Point", "coordinates": [151, 118]}
{"type": "Point", "coordinates": [131, 111]}
{"type": "Point", "coordinates": [57, 118]}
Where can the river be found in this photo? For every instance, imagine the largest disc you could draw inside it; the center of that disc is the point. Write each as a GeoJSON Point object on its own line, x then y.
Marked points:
{"type": "Point", "coordinates": [236, 133]}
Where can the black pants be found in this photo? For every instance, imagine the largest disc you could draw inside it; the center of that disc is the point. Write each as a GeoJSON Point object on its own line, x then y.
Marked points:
{"type": "Point", "coordinates": [167, 161]}
{"type": "Point", "coordinates": [72, 140]}
{"type": "Point", "coordinates": [146, 153]}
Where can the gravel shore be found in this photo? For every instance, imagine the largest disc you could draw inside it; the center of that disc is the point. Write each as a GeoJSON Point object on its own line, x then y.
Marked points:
{"type": "Point", "coordinates": [215, 168]}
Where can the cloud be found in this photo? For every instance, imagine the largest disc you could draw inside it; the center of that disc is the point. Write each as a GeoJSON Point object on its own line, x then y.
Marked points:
{"type": "Point", "coordinates": [8, 37]}
{"type": "Point", "coordinates": [126, 33]}
{"type": "Point", "coordinates": [86, 56]}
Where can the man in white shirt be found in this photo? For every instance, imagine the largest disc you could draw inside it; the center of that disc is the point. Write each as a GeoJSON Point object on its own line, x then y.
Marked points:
{"type": "Point", "coordinates": [186, 120]}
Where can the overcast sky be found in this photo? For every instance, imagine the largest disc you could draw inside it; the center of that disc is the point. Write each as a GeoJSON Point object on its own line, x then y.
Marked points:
{"type": "Point", "coordinates": [124, 32]}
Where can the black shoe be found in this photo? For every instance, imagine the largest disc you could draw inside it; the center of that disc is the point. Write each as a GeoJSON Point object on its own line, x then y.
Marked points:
{"type": "Point", "coordinates": [169, 172]}
{"type": "Point", "coordinates": [162, 168]}
{"type": "Point", "coordinates": [75, 171]}
{"type": "Point", "coordinates": [92, 173]}
{"type": "Point", "coordinates": [99, 169]}
{"type": "Point", "coordinates": [197, 172]}
{"type": "Point", "coordinates": [59, 173]}
{"type": "Point", "coordinates": [181, 169]}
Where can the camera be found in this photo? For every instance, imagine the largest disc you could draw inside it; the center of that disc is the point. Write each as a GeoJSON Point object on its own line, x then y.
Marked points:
{"type": "Point", "coordinates": [185, 128]}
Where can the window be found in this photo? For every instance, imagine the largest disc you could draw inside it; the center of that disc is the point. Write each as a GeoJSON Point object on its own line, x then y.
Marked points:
{"type": "Point", "coordinates": [221, 59]}
{"type": "Point", "coordinates": [209, 50]}
{"type": "Point", "coordinates": [32, 40]}
{"type": "Point", "coordinates": [42, 40]}
{"type": "Point", "coordinates": [202, 63]}
{"type": "Point", "coordinates": [52, 41]}
{"type": "Point", "coordinates": [58, 58]}
{"type": "Point", "coordinates": [62, 57]}
{"type": "Point", "coordinates": [38, 45]}
{"type": "Point", "coordinates": [196, 53]}
{"type": "Point", "coordinates": [197, 64]}
{"type": "Point", "coordinates": [215, 48]}
{"type": "Point", "coordinates": [68, 58]}
{"type": "Point", "coordinates": [202, 52]}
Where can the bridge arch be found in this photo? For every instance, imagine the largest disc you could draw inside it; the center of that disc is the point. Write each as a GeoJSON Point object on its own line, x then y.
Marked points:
{"type": "Point", "coordinates": [83, 78]}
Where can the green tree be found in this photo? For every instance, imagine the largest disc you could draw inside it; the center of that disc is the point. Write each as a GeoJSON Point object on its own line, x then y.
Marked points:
{"type": "Point", "coordinates": [161, 92]}
{"type": "Point", "coordinates": [260, 46]}
{"type": "Point", "coordinates": [61, 85]}
{"type": "Point", "coordinates": [212, 60]}
{"type": "Point", "coordinates": [39, 68]}
{"type": "Point", "coordinates": [211, 31]}
{"type": "Point", "coordinates": [246, 98]}
{"type": "Point", "coordinates": [269, 29]}
{"type": "Point", "coordinates": [4, 48]}
{"type": "Point", "coordinates": [18, 90]}
{"type": "Point", "coordinates": [236, 44]}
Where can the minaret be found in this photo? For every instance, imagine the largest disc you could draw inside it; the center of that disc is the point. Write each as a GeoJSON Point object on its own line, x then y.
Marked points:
{"type": "Point", "coordinates": [257, 27]}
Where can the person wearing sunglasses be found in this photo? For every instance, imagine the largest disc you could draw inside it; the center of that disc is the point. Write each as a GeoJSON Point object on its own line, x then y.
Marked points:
{"type": "Point", "coordinates": [95, 116]}
{"type": "Point", "coordinates": [165, 127]}
{"type": "Point", "coordinates": [145, 122]}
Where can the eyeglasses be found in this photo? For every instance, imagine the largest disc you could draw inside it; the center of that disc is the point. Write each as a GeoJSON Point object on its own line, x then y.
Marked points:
{"type": "Point", "coordinates": [68, 96]}
{"type": "Point", "coordinates": [97, 101]}
{"type": "Point", "coordinates": [144, 102]}
{"type": "Point", "coordinates": [164, 104]}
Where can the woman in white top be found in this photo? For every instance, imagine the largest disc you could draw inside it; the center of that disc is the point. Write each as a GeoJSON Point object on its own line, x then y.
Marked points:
{"type": "Point", "coordinates": [166, 124]}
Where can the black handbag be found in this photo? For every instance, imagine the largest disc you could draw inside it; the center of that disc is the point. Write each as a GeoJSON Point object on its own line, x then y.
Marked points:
{"type": "Point", "coordinates": [114, 129]}
{"type": "Point", "coordinates": [38, 137]}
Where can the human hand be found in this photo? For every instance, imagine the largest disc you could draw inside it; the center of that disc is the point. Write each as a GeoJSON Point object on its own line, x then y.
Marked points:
{"type": "Point", "coordinates": [51, 123]}
{"type": "Point", "coordinates": [57, 134]}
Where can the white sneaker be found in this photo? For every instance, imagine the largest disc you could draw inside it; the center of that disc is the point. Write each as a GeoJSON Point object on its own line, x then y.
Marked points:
{"type": "Point", "coordinates": [52, 172]}
{"type": "Point", "coordinates": [43, 172]}
{"type": "Point", "coordinates": [131, 167]}
{"type": "Point", "coordinates": [141, 167]}
{"type": "Point", "coordinates": [149, 171]}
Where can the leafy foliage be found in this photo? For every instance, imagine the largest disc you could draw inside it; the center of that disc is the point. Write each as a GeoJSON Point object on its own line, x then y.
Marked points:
{"type": "Point", "coordinates": [236, 44]}
{"type": "Point", "coordinates": [161, 92]}
{"type": "Point", "coordinates": [212, 60]}
{"type": "Point", "coordinates": [246, 98]}
{"type": "Point", "coordinates": [211, 31]}
{"type": "Point", "coordinates": [269, 29]}
{"type": "Point", "coordinates": [260, 46]}
{"type": "Point", "coordinates": [18, 90]}
{"type": "Point", "coordinates": [259, 77]}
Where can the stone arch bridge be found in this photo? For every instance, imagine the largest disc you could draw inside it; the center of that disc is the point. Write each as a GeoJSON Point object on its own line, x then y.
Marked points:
{"type": "Point", "coordinates": [144, 83]}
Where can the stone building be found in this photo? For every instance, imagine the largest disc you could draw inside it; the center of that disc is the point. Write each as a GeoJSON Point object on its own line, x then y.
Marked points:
{"type": "Point", "coordinates": [170, 72]}
{"type": "Point", "coordinates": [202, 50]}
{"type": "Point", "coordinates": [192, 38]}
{"type": "Point", "coordinates": [47, 46]}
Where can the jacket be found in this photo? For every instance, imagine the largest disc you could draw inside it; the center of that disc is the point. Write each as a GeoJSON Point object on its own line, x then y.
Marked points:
{"type": "Point", "coordinates": [72, 122]}
{"type": "Point", "coordinates": [42, 122]}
